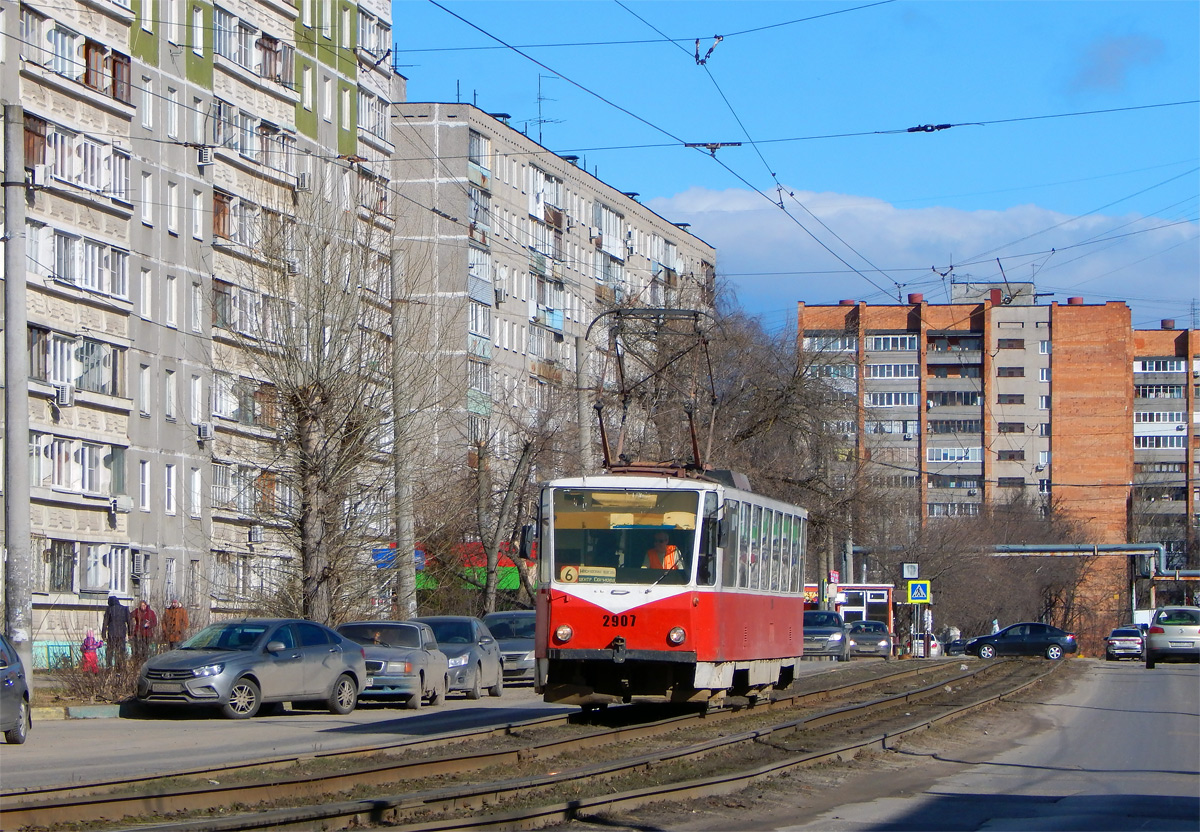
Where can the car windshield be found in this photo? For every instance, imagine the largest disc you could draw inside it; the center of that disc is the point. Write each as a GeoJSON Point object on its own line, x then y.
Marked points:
{"type": "Point", "coordinates": [452, 632]}
{"type": "Point", "coordinates": [868, 627]}
{"type": "Point", "coordinates": [1126, 634]}
{"type": "Point", "coordinates": [239, 636]}
{"type": "Point", "coordinates": [822, 619]}
{"type": "Point", "coordinates": [514, 627]}
{"type": "Point", "coordinates": [385, 635]}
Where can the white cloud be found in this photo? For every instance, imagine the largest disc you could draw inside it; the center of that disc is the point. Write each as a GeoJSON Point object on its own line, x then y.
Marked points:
{"type": "Point", "coordinates": [773, 263]}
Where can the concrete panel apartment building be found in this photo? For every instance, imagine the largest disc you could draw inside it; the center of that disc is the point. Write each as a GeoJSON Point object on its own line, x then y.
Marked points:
{"type": "Point", "coordinates": [994, 395]}
{"type": "Point", "coordinates": [162, 144]}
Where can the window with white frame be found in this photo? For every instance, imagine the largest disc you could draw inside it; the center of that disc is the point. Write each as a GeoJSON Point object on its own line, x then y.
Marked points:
{"type": "Point", "coordinates": [830, 343]}
{"type": "Point", "coordinates": [1160, 365]}
{"type": "Point", "coordinates": [1044, 374]}
{"type": "Point", "coordinates": [1171, 417]}
{"type": "Point", "coordinates": [891, 371]}
{"type": "Point", "coordinates": [1043, 402]}
{"type": "Point", "coordinates": [170, 394]}
{"type": "Point", "coordinates": [196, 308]}
{"type": "Point", "coordinates": [892, 398]}
{"type": "Point", "coordinates": [195, 490]}
{"type": "Point", "coordinates": [199, 405]}
{"type": "Point", "coordinates": [144, 485]}
{"type": "Point", "coordinates": [169, 488]}
{"type": "Point", "coordinates": [479, 376]}
{"type": "Point", "coordinates": [147, 102]}
{"type": "Point", "coordinates": [173, 208]}
{"type": "Point", "coordinates": [885, 343]}
{"type": "Point", "coordinates": [172, 109]}
{"type": "Point", "coordinates": [479, 318]}
{"type": "Point", "coordinates": [145, 389]}
{"type": "Point", "coordinates": [222, 484]}
{"type": "Point", "coordinates": [957, 454]}
{"type": "Point", "coordinates": [147, 193]}
{"type": "Point", "coordinates": [198, 30]}
{"type": "Point", "coordinates": [171, 300]}
{"type": "Point", "coordinates": [1177, 440]}
{"type": "Point", "coordinates": [1043, 347]}
{"type": "Point", "coordinates": [1158, 391]}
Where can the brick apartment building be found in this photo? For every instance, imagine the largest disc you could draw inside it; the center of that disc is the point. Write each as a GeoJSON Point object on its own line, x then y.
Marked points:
{"type": "Point", "coordinates": [993, 395]}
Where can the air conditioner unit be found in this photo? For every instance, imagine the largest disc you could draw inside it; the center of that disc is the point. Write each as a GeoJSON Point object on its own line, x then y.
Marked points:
{"type": "Point", "coordinates": [204, 431]}
{"type": "Point", "coordinates": [121, 504]}
{"type": "Point", "coordinates": [971, 492]}
{"type": "Point", "coordinates": [1039, 467]}
{"type": "Point", "coordinates": [304, 182]}
{"type": "Point", "coordinates": [137, 566]}
{"type": "Point", "coordinates": [291, 266]}
{"type": "Point", "coordinates": [908, 437]}
{"type": "Point", "coordinates": [256, 534]}
{"type": "Point", "coordinates": [40, 177]}
{"type": "Point", "coordinates": [64, 395]}
{"type": "Point", "coordinates": [499, 296]}
{"type": "Point", "coordinates": [204, 156]}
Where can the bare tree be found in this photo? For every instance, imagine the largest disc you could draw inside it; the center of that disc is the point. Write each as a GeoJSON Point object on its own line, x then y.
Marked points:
{"type": "Point", "coordinates": [307, 327]}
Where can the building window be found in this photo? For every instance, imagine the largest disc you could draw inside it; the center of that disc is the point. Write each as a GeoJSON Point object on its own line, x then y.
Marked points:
{"type": "Point", "coordinates": [147, 206]}
{"type": "Point", "coordinates": [1010, 343]}
{"type": "Point", "coordinates": [958, 454]}
{"type": "Point", "coordinates": [1043, 347]}
{"type": "Point", "coordinates": [1043, 402]}
{"type": "Point", "coordinates": [169, 395]}
{"type": "Point", "coordinates": [195, 486]}
{"type": "Point", "coordinates": [1170, 417]}
{"type": "Point", "coordinates": [831, 343]}
{"type": "Point", "coordinates": [1157, 442]}
{"type": "Point", "coordinates": [892, 399]}
{"type": "Point", "coordinates": [1010, 372]}
{"type": "Point", "coordinates": [169, 488]}
{"type": "Point", "coordinates": [1011, 427]}
{"type": "Point", "coordinates": [144, 485]}
{"type": "Point", "coordinates": [1011, 482]}
{"type": "Point", "coordinates": [1010, 456]}
{"type": "Point", "coordinates": [1044, 374]}
{"type": "Point", "coordinates": [1160, 365]}
{"type": "Point", "coordinates": [955, 426]}
{"type": "Point", "coordinates": [62, 566]}
{"type": "Point", "coordinates": [1010, 398]}
{"type": "Point", "coordinates": [1044, 429]}
{"type": "Point", "coordinates": [1158, 391]}
{"type": "Point", "coordinates": [891, 371]}
{"type": "Point", "coordinates": [479, 376]}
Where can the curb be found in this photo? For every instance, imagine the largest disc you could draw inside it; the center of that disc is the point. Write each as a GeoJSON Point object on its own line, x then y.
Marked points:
{"type": "Point", "coordinates": [75, 712]}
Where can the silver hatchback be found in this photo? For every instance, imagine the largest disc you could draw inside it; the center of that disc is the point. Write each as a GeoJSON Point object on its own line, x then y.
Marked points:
{"type": "Point", "coordinates": [1174, 636]}
{"type": "Point", "coordinates": [238, 666]}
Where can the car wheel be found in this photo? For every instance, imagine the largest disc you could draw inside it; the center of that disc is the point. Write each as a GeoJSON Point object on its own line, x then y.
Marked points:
{"type": "Point", "coordinates": [498, 688]}
{"type": "Point", "coordinates": [987, 651]}
{"type": "Point", "coordinates": [1109, 657]}
{"type": "Point", "coordinates": [844, 657]}
{"type": "Point", "coordinates": [17, 734]}
{"type": "Point", "coordinates": [475, 691]}
{"type": "Point", "coordinates": [1054, 652]}
{"type": "Point", "coordinates": [1149, 660]}
{"type": "Point", "coordinates": [344, 695]}
{"type": "Point", "coordinates": [244, 700]}
{"type": "Point", "coordinates": [438, 695]}
{"type": "Point", "coordinates": [413, 702]}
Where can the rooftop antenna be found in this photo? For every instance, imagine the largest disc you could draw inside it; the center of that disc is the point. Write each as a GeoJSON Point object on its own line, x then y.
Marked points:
{"type": "Point", "coordinates": [540, 98]}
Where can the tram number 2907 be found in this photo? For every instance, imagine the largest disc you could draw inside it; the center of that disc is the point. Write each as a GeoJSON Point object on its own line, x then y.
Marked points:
{"type": "Point", "coordinates": [619, 620]}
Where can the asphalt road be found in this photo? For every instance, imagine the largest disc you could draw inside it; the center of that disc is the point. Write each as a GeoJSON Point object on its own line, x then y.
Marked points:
{"type": "Point", "coordinates": [86, 750]}
{"type": "Point", "coordinates": [1119, 751]}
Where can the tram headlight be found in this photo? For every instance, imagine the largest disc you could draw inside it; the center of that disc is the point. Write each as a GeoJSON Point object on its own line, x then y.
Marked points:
{"type": "Point", "coordinates": [677, 636]}
{"type": "Point", "coordinates": [563, 633]}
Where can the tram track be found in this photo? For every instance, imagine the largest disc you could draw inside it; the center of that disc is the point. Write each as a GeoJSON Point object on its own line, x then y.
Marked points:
{"type": "Point", "coordinates": [511, 750]}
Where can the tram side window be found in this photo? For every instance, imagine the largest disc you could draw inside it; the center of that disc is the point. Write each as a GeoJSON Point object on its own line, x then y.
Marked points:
{"type": "Point", "coordinates": [746, 545]}
{"type": "Point", "coordinates": [706, 568]}
{"type": "Point", "coordinates": [797, 554]}
{"type": "Point", "coordinates": [729, 543]}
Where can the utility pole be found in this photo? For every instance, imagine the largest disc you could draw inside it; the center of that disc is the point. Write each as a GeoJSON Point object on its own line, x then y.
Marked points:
{"type": "Point", "coordinates": [403, 564]}
{"type": "Point", "coordinates": [585, 413]}
{"type": "Point", "coordinates": [18, 567]}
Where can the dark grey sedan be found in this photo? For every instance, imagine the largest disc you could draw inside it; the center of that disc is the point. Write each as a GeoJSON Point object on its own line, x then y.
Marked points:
{"type": "Point", "coordinates": [403, 661]}
{"type": "Point", "coordinates": [238, 666]}
{"type": "Point", "coordinates": [472, 651]}
{"type": "Point", "coordinates": [825, 635]}
{"type": "Point", "coordinates": [869, 638]}
{"type": "Point", "coordinates": [516, 632]}
{"type": "Point", "coordinates": [14, 694]}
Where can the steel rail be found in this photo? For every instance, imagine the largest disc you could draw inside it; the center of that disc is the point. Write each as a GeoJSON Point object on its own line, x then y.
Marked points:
{"type": "Point", "coordinates": [68, 806]}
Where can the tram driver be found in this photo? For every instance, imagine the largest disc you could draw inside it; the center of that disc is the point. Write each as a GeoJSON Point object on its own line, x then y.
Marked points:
{"type": "Point", "coordinates": [664, 554]}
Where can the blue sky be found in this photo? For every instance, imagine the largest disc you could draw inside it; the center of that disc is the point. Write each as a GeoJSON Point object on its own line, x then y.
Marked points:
{"type": "Point", "coordinates": [1103, 205]}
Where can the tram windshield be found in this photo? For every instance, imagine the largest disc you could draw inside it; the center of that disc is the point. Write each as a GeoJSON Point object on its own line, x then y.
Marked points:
{"type": "Point", "coordinates": [624, 536]}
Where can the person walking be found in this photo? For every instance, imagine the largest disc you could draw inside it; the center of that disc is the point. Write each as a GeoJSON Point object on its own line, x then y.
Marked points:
{"type": "Point", "coordinates": [89, 648]}
{"type": "Point", "coordinates": [114, 630]}
{"type": "Point", "coordinates": [174, 623]}
{"type": "Point", "coordinates": [144, 622]}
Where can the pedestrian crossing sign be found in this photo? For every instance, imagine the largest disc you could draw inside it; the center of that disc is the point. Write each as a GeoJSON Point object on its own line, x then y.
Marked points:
{"type": "Point", "coordinates": [918, 592]}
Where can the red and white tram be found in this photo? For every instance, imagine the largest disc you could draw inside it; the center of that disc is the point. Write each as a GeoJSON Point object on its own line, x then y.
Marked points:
{"type": "Point", "coordinates": [614, 628]}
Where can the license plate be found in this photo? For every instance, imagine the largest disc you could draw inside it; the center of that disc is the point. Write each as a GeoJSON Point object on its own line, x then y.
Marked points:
{"type": "Point", "coordinates": [1181, 644]}
{"type": "Point", "coordinates": [166, 687]}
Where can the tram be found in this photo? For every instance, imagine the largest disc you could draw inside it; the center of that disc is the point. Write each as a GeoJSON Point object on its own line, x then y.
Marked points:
{"type": "Point", "coordinates": [666, 587]}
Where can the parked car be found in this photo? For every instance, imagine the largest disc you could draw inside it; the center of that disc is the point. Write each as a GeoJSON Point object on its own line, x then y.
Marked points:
{"type": "Point", "coordinates": [473, 654]}
{"type": "Point", "coordinates": [240, 665]}
{"type": "Point", "coordinates": [1174, 635]}
{"type": "Point", "coordinates": [825, 635]}
{"type": "Point", "coordinates": [515, 631]}
{"type": "Point", "coordinates": [403, 661]}
{"type": "Point", "coordinates": [14, 694]}
{"type": "Point", "coordinates": [1026, 639]}
{"type": "Point", "coordinates": [916, 646]}
{"type": "Point", "coordinates": [1123, 642]}
{"type": "Point", "coordinates": [869, 638]}
{"type": "Point", "coordinates": [956, 647]}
